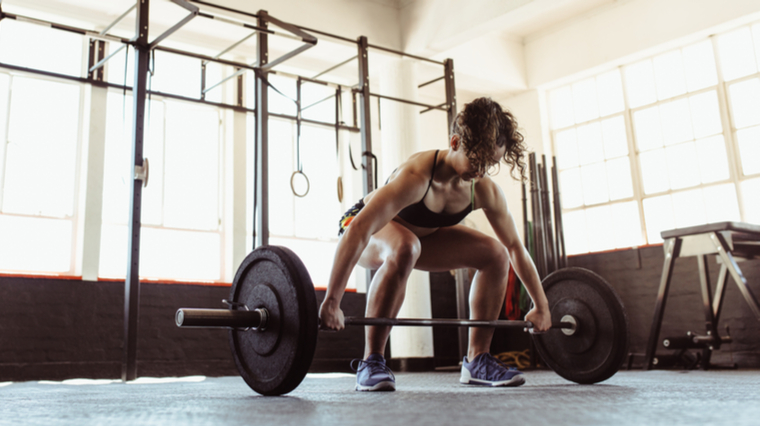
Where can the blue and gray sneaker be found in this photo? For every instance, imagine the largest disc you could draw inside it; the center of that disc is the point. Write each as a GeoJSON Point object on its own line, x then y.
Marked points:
{"type": "Point", "coordinates": [490, 371]}
{"type": "Point", "coordinates": [373, 375]}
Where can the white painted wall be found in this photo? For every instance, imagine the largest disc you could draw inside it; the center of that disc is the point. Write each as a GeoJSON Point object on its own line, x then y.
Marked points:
{"type": "Point", "coordinates": [626, 31]}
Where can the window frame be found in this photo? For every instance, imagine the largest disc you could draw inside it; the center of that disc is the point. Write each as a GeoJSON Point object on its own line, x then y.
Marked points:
{"type": "Point", "coordinates": [75, 217]}
{"type": "Point", "coordinates": [728, 133]}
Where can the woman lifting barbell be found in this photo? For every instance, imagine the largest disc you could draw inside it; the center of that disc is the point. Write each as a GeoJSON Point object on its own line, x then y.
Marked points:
{"type": "Point", "coordinates": [413, 222]}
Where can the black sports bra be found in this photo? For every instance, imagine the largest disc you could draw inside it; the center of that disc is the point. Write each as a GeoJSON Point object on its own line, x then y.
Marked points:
{"type": "Point", "coordinates": [419, 215]}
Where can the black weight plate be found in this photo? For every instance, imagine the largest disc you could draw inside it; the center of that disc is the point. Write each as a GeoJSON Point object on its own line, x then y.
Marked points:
{"type": "Point", "coordinates": [600, 344]}
{"type": "Point", "coordinates": [275, 361]}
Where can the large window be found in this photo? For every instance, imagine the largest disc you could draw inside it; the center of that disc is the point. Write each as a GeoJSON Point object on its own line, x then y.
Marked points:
{"type": "Point", "coordinates": [669, 141]}
{"type": "Point", "coordinates": [39, 152]}
{"type": "Point", "coordinates": [181, 208]}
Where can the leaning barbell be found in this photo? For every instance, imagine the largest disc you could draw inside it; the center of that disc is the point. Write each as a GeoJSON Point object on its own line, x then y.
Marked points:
{"type": "Point", "coordinates": [273, 321]}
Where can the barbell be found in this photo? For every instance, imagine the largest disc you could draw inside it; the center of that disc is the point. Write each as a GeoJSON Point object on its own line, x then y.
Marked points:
{"type": "Point", "coordinates": [273, 321]}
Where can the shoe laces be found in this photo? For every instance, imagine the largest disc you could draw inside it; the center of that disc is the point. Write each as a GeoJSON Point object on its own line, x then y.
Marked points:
{"type": "Point", "coordinates": [495, 365]}
{"type": "Point", "coordinates": [373, 366]}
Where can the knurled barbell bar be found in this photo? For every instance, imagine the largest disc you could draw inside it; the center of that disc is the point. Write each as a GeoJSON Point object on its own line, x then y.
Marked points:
{"type": "Point", "coordinates": [274, 324]}
{"type": "Point", "coordinates": [258, 318]}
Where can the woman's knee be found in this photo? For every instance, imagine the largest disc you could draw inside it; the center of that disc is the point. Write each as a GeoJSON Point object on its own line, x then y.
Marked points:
{"type": "Point", "coordinates": [497, 257]}
{"type": "Point", "coordinates": [404, 254]}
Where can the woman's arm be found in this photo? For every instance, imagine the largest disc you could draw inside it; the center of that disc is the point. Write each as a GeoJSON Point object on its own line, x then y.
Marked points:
{"type": "Point", "coordinates": [494, 204]}
{"type": "Point", "coordinates": [406, 188]}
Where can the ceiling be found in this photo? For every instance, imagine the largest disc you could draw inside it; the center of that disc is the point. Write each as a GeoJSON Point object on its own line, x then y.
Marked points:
{"type": "Point", "coordinates": [464, 30]}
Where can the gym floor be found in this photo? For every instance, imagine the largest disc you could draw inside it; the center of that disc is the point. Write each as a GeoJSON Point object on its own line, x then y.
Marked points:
{"type": "Point", "coordinates": [431, 398]}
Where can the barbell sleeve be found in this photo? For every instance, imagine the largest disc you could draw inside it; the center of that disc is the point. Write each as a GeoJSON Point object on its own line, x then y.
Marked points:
{"type": "Point", "coordinates": [221, 318]}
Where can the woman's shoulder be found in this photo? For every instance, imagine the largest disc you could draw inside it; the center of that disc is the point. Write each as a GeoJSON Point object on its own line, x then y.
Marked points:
{"type": "Point", "coordinates": [420, 162]}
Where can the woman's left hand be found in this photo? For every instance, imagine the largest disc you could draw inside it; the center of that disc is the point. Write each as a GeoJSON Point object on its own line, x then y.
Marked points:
{"type": "Point", "coordinates": [541, 319]}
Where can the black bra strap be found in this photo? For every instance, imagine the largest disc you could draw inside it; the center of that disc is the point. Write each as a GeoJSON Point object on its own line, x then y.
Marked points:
{"type": "Point", "coordinates": [432, 173]}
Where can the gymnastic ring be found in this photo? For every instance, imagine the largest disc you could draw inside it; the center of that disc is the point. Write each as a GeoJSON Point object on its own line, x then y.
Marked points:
{"type": "Point", "coordinates": [340, 189]}
{"type": "Point", "coordinates": [293, 187]}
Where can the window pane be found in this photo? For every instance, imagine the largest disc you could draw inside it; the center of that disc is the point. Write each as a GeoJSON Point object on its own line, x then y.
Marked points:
{"type": "Point", "coordinates": [626, 225]}
{"type": "Point", "coordinates": [676, 122]}
{"type": "Point", "coordinates": [689, 208]}
{"type": "Point", "coordinates": [756, 37]}
{"type": "Point", "coordinates": [654, 171]}
{"type": "Point", "coordinates": [5, 81]}
{"type": "Point", "coordinates": [562, 107]}
{"type": "Point", "coordinates": [34, 46]}
{"type": "Point", "coordinates": [721, 203]}
{"type": "Point", "coordinates": [713, 161]}
{"type": "Point", "coordinates": [281, 167]}
{"type": "Point", "coordinates": [191, 198]}
{"type": "Point", "coordinates": [737, 58]}
{"type": "Point", "coordinates": [614, 136]}
{"type": "Point", "coordinates": [324, 111]}
{"type": "Point", "coordinates": [164, 254]}
{"type": "Point", "coordinates": [682, 165]}
{"type": "Point", "coordinates": [317, 256]}
{"type": "Point", "coordinates": [115, 66]}
{"type": "Point", "coordinates": [576, 235]}
{"type": "Point", "coordinates": [42, 148]}
{"type": "Point", "coordinates": [658, 214]}
{"type": "Point", "coordinates": [745, 103]}
{"type": "Point", "coordinates": [639, 84]}
{"type": "Point", "coordinates": [590, 148]}
{"type": "Point", "coordinates": [282, 103]}
{"type": "Point", "coordinates": [669, 75]}
{"type": "Point", "coordinates": [699, 64]}
{"type": "Point", "coordinates": [609, 88]}
{"type": "Point", "coordinates": [749, 150]}
{"type": "Point", "coordinates": [153, 149]}
{"type": "Point", "coordinates": [117, 159]}
{"type": "Point", "coordinates": [215, 73]}
{"type": "Point", "coordinates": [35, 244]}
{"type": "Point", "coordinates": [750, 191]}
{"type": "Point", "coordinates": [177, 74]}
{"type": "Point", "coordinates": [619, 176]}
{"type": "Point", "coordinates": [180, 255]}
{"type": "Point", "coordinates": [585, 101]}
{"type": "Point", "coordinates": [594, 184]}
{"type": "Point", "coordinates": [705, 114]}
{"type": "Point", "coordinates": [648, 129]}
{"type": "Point", "coordinates": [317, 212]}
{"type": "Point", "coordinates": [571, 190]}
{"type": "Point", "coordinates": [601, 235]}
{"type": "Point", "coordinates": [567, 149]}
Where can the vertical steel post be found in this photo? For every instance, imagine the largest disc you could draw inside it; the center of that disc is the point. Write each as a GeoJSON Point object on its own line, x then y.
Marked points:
{"type": "Point", "coordinates": [262, 133]}
{"type": "Point", "coordinates": [364, 120]}
{"type": "Point", "coordinates": [451, 94]}
{"type": "Point", "coordinates": [132, 282]}
{"type": "Point", "coordinates": [364, 113]}
{"type": "Point", "coordinates": [672, 248]}
{"type": "Point", "coordinates": [461, 276]}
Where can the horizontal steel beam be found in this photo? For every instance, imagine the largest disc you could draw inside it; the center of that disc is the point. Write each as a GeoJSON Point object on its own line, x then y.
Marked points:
{"type": "Point", "coordinates": [406, 101]}
{"type": "Point", "coordinates": [430, 82]}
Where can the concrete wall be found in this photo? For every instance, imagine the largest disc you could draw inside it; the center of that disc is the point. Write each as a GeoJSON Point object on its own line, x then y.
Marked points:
{"type": "Point", "coordinates": [57, 329]}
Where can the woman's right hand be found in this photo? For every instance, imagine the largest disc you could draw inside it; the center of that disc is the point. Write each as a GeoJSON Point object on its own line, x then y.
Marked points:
{"type": "Point", "coordinates": [331, 317]}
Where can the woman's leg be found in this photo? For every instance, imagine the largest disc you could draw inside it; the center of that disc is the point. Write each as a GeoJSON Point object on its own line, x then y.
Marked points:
{"type": "Point", "coordinates": [462, 247]}
{"type": "Point", "coordinates": [393, 252]}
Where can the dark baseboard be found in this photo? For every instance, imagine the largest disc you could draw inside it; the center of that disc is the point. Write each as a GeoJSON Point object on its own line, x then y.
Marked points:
{"type": "Point", "coordinates": [412, 364]}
